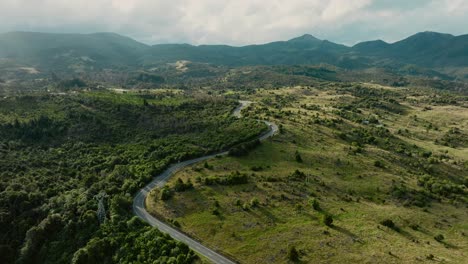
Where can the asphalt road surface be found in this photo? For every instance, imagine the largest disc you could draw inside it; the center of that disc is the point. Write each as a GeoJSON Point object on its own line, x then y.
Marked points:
{"type": "Point", "coordinates": [160, 180]}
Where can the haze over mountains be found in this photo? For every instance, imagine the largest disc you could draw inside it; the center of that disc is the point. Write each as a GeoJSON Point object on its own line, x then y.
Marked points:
{"type": "Point", "coordinates": [83, 52]}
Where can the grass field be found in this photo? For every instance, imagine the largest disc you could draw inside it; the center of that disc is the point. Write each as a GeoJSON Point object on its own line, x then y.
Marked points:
{"type": "Point", "coordinates": [359, 159]}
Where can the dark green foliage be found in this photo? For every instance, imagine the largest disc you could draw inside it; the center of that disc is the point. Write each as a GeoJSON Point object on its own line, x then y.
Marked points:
{"type": "Point", "coordinates": [410, 196]}
{"type": "Point", "coordinates": [181, 186]}
{"type": "Point", "coordinates": [254, 202]}
{"type": "Point", "coordinates": [444, 188]}
{"type": "Point", "coordinates": [379, 164]}
{"type": "Point", "coordinates": [256, 168]}
{"type": "Point", "coordinates": [216, 211]}
{"type": "Point", "coordinates": [234, 178]}
{"type": "Point", "coordinates": [127, 245]}
{"type": "Point", "coordinates": [439, 238]}
{"type": "Point", "coordinates": [298, 157]}
{"type": "Point", "coordinates": [315, 204]}
{"type": "Point", "coordinates": [297, 175]}
{"type": "Point", "coordinates": [243, 148]}
{"type": "Point", "coordinates": [454, 138]}
{"type": "Point", "coordinates": [207, 166]}
{"type": "Point", "coordinates": [388, 223]}
{"type": "Point", "coordinates": [293, 254]}
{"type": "Point", "coordinates": [166, 194]}
{"type": "Point", "coordinates": [327, 219]}
{"type": "Point", "coordinates": [58, 152]}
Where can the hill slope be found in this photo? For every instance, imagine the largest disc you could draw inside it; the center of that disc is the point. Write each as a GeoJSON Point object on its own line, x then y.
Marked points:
{"type": "Point", "coordinates": [59, 51]}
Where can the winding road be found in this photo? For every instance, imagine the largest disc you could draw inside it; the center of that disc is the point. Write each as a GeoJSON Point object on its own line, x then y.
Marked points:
{"type": "Point", "coordinates": [160, 180]}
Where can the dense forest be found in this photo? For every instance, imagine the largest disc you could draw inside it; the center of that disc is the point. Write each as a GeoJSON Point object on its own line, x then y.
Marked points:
{"type": "Point", "coordinates": [71, 162]}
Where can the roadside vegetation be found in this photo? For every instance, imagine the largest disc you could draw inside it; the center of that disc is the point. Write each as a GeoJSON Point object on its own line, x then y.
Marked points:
{"type": "Point", "coordinates": [71, 163]}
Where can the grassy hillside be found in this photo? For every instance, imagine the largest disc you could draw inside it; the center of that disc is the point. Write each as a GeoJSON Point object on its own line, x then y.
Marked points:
{"type": "Point", "coordinates": [359, 173]}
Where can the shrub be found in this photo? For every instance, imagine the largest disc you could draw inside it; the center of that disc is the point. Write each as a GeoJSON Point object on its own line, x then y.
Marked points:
{"type": "Point", "coordinates": [293, 254]}
{"type": "Point", "coordinates": [315, 204]}
{"type": "Point", "coordinates": [298, 157]}
{"type": "Point", "coordinates": [327, 219]}
{"type": "Point", "coordinates": [181, 186]}
{"type": "Point", "coordinates": [439, 238]}
{"type": "Point", "coordinates": [388, 223]}
{"type": "Point", "coordinates": [254, 202]}
{"type": "Point", "coordinates": [234, 178]}
{"type": "Point", "coordinates": [378, 164]}
{"type": "Point", "coordinates": [256, 168]}
{"type": "Point", "coordinates": [244, 148]}
{"type": "Point", "coordinates": [166, 194]}
{"type": "Point", "coordinates": [216, 212]}
{"type": "Point", "coordinates": [207, 166]}
{"type": "Point", "coordinates": [298, 175]}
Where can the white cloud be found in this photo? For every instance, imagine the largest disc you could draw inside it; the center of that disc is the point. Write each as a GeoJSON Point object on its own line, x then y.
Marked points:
{"type": "Point", "coordinates": [237, 22]}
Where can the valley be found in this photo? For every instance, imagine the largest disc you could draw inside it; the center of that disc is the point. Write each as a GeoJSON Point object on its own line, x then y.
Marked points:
{"type": "Point", "coordinates": [298, 151]}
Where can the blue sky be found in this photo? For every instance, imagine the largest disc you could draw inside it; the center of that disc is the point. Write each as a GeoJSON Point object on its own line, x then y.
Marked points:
{"type": "Point", "coordinates": [238, 22]}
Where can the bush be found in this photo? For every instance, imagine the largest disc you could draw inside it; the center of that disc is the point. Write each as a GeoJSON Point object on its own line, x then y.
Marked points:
{"type": "Point", "coordinates": [216, 212]}
{"type": "Point", "coordinates": [166, 194]}
{"type": "Point", "coordinates": [207, 166]}
{"type": "Point", "coordinates": [293, 254]}
{"type": "Point", "coordinates": [298, 175]}
{"type": "Point", "coordinates": [234, 178]}
{"type": "Point", "coordinates": [315, 204]}
{"type": "Point", "coordinates": [378, 164]}
{"type": "Point", "coordinates": [254, 202]}
{"type": "Point", "coordinates": [180, 186]}
{"type": "Point", "coordinates": [244, 148]}
{"type": "Point", "coordinates": [388, 223]}
{"type": "Point", "coordinates": [327, 219]}
{"type": "Point", "coordinates": [439, 238]}
{"type": "Point", "coordinates": [298, 157]}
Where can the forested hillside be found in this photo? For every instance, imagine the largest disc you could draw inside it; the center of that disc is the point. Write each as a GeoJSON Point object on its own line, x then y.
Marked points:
{"type": "Point", "coordinates": [70, 164]}
{"type": "Point", "coordinates": [428, 52]}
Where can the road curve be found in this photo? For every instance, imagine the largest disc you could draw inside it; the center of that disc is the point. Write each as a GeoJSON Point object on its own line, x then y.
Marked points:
{"type": "Point", "coordinates": [160, 180]}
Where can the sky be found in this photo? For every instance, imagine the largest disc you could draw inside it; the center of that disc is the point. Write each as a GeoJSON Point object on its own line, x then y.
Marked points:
{"type": "Point", "coordinates": [238, 22]}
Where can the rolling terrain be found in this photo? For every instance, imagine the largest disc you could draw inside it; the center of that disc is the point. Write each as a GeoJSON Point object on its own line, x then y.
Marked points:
{"type": "Point", "coordinates": [426, 53]}
{"type": "Point", "coordinates": [382, 162]}
{"type": "Point", "coordinates": [115, 151]}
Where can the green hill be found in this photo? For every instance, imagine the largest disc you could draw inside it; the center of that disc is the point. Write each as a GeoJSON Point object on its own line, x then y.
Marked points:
{"type": "Point", "coordinates": [64, 52]}
{"type": "Point", "coordinates": [75, 53]}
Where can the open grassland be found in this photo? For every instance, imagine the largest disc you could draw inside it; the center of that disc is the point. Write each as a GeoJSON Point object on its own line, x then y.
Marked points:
{"type": "Point", "coordinates": [359, 153]}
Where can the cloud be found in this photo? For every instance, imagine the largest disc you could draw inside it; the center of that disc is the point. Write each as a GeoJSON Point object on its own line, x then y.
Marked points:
{"type": "Point", "coordinates": [237, 22]}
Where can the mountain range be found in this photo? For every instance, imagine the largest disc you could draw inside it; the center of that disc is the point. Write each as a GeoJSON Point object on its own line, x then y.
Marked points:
{"type": "Point", "coordinates": [48, 52]}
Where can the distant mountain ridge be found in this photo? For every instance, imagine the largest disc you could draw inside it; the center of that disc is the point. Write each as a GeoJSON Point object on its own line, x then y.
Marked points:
{"type": "Point", "coordinates": [85, 52]}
